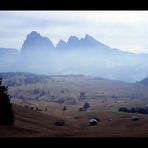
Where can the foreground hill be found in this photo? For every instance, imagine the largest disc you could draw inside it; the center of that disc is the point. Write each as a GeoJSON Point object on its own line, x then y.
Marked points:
{"type": "Point", "coordinates": [30, 123]}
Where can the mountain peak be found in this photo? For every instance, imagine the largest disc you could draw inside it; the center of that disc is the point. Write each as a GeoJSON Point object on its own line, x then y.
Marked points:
{"type": "Point", "coordinates": [73, 39]}
{"type": "Point", "coordinates": [36, 42]}
{"type": "Point", "coordinates": [89, 41]}
{"type": "Point", "coordinates": [88, 36]}
{"type": "Point", "coordinates": [61, 44]}
{"type": "Point", "coordinates": [73, 42]}
{"type": "Point", "coordinates": [33, 34]}
{"type": "Point", "coordinates": [62, 41]}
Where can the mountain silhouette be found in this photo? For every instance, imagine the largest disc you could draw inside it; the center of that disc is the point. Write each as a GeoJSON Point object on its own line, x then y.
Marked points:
{"type": "Point", "coordinates": [36, 43]}
{"type": "Point", "coordinates": [61, 45]}
{"type": "Point", "coordinates": [84, 55]}
{"type": "Point", "coordinates": [87, 43]}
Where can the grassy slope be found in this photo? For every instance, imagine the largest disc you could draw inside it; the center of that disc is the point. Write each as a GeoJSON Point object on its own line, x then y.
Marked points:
{"type": "Point", "coordinates": [75, 85]}
{"type": "Point", "coordinates": [31, 123]}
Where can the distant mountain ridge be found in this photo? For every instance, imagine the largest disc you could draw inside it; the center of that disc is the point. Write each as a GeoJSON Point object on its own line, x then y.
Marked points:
{"type": "Point", "coordinates": [76, 56]}
{"type": "Point", "coordinates": [144, 81]}
{"type": "Point", "coordinates": [86, 43]}
{"type": "Point", "coordinates": [34, 41]}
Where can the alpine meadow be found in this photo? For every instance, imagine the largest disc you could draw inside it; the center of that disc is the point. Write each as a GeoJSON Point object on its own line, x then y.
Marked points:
{"type": "Point", "coordinates": [73, 74]}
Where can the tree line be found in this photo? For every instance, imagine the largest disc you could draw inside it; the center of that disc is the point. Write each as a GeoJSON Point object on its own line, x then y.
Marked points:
{"type": "Point", "coordinates": [6, 112]}
{"type": "Point", "coordinates": [141, 110]}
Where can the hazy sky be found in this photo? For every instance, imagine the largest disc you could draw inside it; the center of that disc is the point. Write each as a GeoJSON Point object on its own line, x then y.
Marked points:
{"type": "Point", "coordinates": [126, 30]}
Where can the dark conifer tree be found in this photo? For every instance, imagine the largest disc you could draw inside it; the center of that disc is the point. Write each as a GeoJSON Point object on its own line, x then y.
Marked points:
{"type": "Point", "coordinates": [6, 112]}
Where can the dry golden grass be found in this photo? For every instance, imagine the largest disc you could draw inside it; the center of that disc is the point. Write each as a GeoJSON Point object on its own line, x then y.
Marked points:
{"type": "Point", "coordinates": [31, 123]}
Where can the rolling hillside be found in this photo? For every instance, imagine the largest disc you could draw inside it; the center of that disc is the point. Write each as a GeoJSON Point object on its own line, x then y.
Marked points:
{"type": "Point", "coordinates": [72, 89]}
{"type": "Point", "coordinates": [31, 123]}
{"type": "Point", "coordinates": [54, 92]}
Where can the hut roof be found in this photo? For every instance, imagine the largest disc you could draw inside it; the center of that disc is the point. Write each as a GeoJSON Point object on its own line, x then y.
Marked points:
{"type": "Point", "coordinates": [135, 117]}
{"type": "Point", "coordinates": [92, 120]}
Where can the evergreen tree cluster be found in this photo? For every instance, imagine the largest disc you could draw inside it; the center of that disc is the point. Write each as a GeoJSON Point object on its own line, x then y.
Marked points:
{"type": "Point", "coordinates": [6, 112]}
{"type": "Point", "coordinates": [134, 110]}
